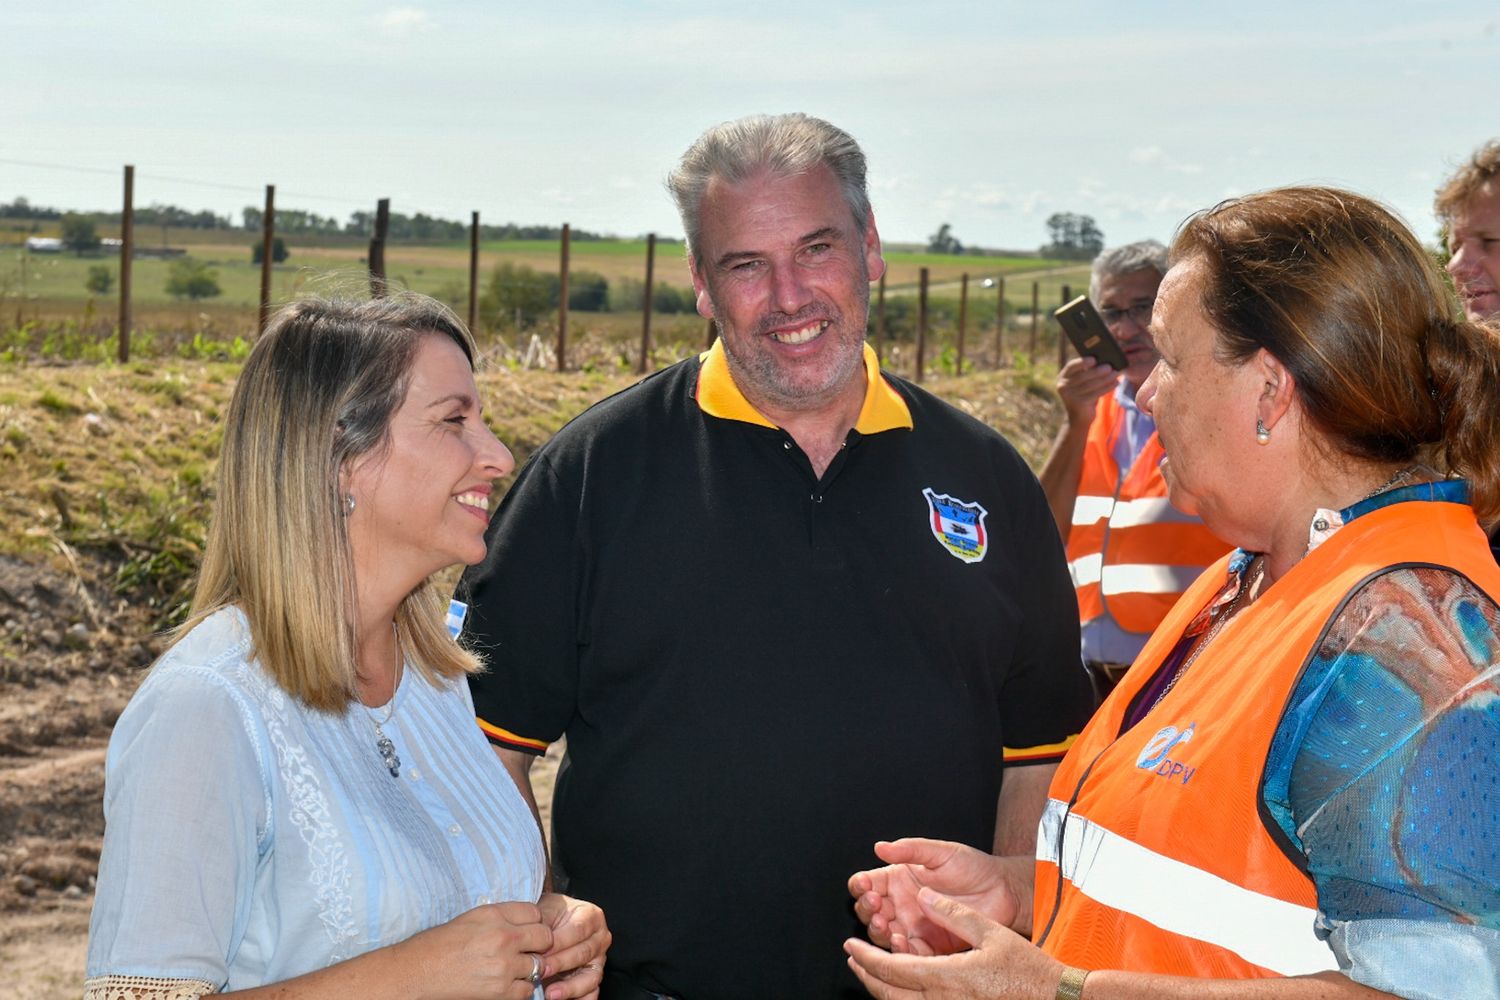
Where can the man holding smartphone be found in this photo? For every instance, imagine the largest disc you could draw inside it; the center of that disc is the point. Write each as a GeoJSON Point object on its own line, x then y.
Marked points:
{"type": "Point", "coordinates": [1130, 552]}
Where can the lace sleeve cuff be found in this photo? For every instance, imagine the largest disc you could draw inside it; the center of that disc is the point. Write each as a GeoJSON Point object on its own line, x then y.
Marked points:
{"type": "Point", "coordinates": [143, 988]}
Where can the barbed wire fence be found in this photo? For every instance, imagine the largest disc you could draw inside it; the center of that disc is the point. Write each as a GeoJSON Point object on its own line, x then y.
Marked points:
{"type": "Point", "coordinates": [903, 340]}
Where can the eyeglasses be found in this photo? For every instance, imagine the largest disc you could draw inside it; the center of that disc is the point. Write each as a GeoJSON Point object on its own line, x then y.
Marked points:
{"type": "Point", "coordinates": [1140, 314]}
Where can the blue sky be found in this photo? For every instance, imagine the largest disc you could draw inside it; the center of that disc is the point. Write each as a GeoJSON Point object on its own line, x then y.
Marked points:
{"type": "Point", "coordinates": [989, 116]}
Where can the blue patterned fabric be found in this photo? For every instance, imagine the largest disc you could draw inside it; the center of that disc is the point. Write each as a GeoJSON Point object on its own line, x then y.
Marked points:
{"type": "Point", "coordinates": [1385, 772]}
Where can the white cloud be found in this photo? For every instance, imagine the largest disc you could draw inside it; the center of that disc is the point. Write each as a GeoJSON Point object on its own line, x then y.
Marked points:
{"type": "Point", "coordinates": [991, 198]}
{"type": "Point", "coordinates": [404, 19]}
{"type": "Point", "coordinates": [1154, 156]}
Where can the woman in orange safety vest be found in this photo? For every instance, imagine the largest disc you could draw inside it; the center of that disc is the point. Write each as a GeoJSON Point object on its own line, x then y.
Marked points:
{"type": "Point", "coordinates": [1293, 792]}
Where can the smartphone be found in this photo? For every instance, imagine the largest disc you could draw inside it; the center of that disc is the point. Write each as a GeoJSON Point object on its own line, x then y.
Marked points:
{"type": "Point", "coordinates": [1091, 338]}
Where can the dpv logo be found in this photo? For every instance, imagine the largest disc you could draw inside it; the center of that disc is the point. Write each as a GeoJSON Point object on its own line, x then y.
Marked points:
{"type": "Point", "coordinates": [1155, 755]}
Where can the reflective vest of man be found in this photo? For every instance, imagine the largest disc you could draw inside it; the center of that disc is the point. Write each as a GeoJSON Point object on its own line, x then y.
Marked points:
{"type": "Point", "coordinates": [1153, 853]}
{"type": "Point", "coordinates": [1131, 553]}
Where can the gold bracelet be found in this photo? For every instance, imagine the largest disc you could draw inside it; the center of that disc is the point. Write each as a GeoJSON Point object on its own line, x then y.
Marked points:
{"type": "Point", "coordinates": [1071, 987]}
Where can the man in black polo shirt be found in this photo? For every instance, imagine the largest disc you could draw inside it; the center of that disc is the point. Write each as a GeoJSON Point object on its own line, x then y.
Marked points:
{"type": "Point", "coordinates": [780, 604]}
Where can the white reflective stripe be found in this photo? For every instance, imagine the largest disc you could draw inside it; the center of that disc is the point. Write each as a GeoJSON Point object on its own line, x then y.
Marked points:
{"type": "Point", "coordinates": [1128, 513]}
{"type": "Point", "coordinates": [1145, 578]}
{"type": "Point", "coordinates": [1085, 569]}
{"type": "Point", "coordinates": [1147, 510]}
{"type": "Point", "coordinates": [1180, 898]}
{"type": "Point", "coordinates": [1088, 509]}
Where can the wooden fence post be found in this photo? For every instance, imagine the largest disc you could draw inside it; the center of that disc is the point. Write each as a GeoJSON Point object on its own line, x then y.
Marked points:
{"type": "Point", "coordinates": [1036, 306]}
{"type": "Point", "coordinates": [921, 324]}
{"type": "Point", "coordinates": [963, 321]}
{"type": "Point", "coordinates": [473, 270]}
{"type": "Point", "coordinates": [562, 301]}
{"type": "Point", "coordinates": [646, 303]}
{"type": "Point", "coordinates": [377, 248]}
{"type": "Point", "coordinates": [127, 251]}
{"type": "Point", "coordinates": [1000, 323]}
{"type": "Point", "coordinates": [267, 245]}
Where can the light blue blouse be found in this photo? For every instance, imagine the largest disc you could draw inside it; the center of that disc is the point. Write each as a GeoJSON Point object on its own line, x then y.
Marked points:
{"type": "Point", "coordinates": [249, 839]}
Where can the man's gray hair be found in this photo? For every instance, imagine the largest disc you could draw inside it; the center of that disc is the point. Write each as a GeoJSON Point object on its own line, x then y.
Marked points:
{"type": "Point", "coordinates": [785, 145]}
{"type": "Point", "coordinates": [1146, 255]}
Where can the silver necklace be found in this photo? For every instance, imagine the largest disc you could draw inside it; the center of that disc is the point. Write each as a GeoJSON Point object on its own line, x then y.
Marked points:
{"type": "Point", "coordinates": [1400, 476]}
{"type": "Point", "coordinates": [383, 745]}
{"type": "Point", "coordinates": [1220, 616]}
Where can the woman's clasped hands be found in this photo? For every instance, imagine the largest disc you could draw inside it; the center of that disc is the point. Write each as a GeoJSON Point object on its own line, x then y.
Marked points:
{"type": "Point", "coordinates": [495, 951]}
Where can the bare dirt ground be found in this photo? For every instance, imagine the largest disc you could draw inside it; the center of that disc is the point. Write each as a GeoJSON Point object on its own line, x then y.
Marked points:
{"type": "Point", "coordinates": [69, 665]}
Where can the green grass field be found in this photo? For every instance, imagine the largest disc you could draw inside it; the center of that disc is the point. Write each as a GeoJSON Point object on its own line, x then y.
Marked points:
{"type": "Point", "coordinates": [49, 289]}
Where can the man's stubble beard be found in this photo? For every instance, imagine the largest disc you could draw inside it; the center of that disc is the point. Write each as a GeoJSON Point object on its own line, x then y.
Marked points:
{"type": "Point", "coordinates": [763, 377]}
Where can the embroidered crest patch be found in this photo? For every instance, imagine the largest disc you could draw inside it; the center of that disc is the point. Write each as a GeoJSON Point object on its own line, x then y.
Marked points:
{"type": "Point", "coordinates": [957, 525]}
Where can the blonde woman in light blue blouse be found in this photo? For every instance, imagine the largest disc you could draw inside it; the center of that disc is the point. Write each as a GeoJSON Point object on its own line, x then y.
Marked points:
{"type": "Point", "coordinates": [298, 795]}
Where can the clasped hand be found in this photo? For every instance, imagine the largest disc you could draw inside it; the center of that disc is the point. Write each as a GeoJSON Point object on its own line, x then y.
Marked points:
{"type": "Point", "coordinates": [574, 965]}
{"type": "Point", "coordinates": [487, 951]}
{"type": "Point", "coordinates": [949, 915]}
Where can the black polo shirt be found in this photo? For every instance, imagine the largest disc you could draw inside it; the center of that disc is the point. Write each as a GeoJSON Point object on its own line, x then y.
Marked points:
{"type": "Point", "coordinates": [761, 673]}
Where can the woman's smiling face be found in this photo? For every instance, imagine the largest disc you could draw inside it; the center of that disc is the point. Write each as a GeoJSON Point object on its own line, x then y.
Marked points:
{"type": "Point", "coordinates": [422, 500]}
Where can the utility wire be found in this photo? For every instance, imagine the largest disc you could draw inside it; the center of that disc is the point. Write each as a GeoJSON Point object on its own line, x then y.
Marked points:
{"type": "Point", "coordinates": [219, 185]}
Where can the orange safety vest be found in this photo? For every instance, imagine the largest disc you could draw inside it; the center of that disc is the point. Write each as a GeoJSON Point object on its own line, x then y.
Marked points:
{"type": "Point", "coordinates": [1153, 854]}
{"type": "Point", "coordinates": [1131, 552]}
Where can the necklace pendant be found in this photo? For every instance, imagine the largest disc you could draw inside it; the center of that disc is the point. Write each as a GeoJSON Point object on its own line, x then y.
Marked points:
{"type": "Point", "coordinates": [387, 751]}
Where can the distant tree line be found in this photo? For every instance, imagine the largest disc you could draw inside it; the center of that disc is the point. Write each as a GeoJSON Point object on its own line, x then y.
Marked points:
{"type": "Point", "coordinates": [420, 227]}
{"type": "Point", "coordinates": [1072, 237]}
{"type": "Point", "coordinates": [149, 215]}
{"type": "Point", "coordinates": [295, 222]}
{"type": "Point", "coordinates": [943, 241]}
{"type": "Point", "coordinates": [23, 209]}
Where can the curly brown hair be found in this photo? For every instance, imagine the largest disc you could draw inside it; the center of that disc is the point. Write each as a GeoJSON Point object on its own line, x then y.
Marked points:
{"type": "Point", "coordinates": [1482, 167]}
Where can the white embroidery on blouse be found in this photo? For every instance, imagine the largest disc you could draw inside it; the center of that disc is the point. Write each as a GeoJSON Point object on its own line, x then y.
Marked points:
{"type": "Point", "coordinates": [310, 814]}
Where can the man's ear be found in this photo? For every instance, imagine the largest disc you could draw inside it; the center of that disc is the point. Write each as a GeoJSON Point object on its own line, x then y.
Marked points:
{"type": "Point", "coordinates": [700, 289]}
{"type": "Point", "coordinates": [874, 260]}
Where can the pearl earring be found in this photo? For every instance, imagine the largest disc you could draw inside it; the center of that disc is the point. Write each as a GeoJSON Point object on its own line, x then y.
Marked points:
{"type": "Point", "coordinates": [1262, 436]}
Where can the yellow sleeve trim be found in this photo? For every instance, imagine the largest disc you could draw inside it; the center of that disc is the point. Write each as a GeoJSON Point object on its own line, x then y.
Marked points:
{"type": "Point", "coordinates": [498, 735]}
{"type": "Point", "coordinates": [718, 396]}
{"type": "Point", "coordinates": [1046, 751]}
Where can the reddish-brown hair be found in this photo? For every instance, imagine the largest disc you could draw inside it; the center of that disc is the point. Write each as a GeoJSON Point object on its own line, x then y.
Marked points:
{"type": "Point", "coordinates": [1339, 291]}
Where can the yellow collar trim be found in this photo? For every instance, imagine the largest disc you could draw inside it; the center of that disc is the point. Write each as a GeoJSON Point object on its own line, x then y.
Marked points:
{"type": "Point", "coordinates": [718, 396]}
